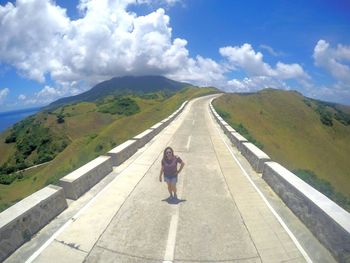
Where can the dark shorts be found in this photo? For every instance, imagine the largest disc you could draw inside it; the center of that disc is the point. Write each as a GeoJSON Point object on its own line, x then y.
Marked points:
{"type": "Point", "coordinates": [170, 179]}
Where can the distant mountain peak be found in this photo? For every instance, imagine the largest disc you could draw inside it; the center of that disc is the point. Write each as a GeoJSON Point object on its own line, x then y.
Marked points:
{"type": "Point", "coordinates": [124, 85]}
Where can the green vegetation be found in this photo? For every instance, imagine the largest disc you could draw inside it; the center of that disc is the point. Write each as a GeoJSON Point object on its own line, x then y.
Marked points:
{"type": "Point", "coordinates": [60, 119]}
{"type": "Point", "coordinates": [324, 187]}
{"type": "Point", "coordinates": [223, 114]}
{"type": "Point", "coordinates": [34, 144]}
{"type": "Point", "coordinates": [297, 132]}
{"type": "Point", "coordinates": [239, 127]}
{"type": "Point", "coordinates": [119, 105]}
{"type": "Point", "coordinates": [328, 111]}
{"type": "Point", "coordinates": [87, 132]}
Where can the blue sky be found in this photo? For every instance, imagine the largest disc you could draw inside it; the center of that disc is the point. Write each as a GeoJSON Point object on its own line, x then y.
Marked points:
{"type": "Point", "coordinates": [52, 49]}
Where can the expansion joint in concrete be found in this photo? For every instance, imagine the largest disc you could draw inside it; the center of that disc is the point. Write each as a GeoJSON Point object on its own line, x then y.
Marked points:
{"type": "Point", "coordinates": [131, 255]}
{"type": "Point", "coordinates": [71, 245]}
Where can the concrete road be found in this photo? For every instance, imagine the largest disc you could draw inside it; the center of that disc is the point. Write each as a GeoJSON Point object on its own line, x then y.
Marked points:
{"type": "Point", "coordinates": [219, 217]}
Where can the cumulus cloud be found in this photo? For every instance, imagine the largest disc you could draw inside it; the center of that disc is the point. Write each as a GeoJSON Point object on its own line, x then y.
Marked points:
{"type": "Point", "coordinates": [107, 41]}
{"type": "Point", "coordinates": [44, 96]}
{"type": "Point", "coordinates": [29, 33]}
{"type": "Point", "coordinates": [271, 50]}
{"type": "Point", "coordinates": [250, 84]}
{"type": "Point", "coordinates": [334, 60]}
{"type": "Point", "coordinates": [252, 63]}
{"type": "Point", "coordinates": [289, 71]}
{"type": "Point", "coordinates": [246, 58]}
{"type": "Point", "coordinates": [166, 2]}
{"type": "Point", "coordinates": [259, 73]}
{"type": "Point", "coordinates": [3, 94]}
{"type": "Point", "coordinates": [22, 97]}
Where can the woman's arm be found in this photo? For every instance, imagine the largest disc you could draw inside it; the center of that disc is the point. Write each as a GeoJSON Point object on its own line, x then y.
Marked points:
{"type": "Point", "coordinates": [161, 172]}
{"type": "Point", "coordinates": [182, 164]}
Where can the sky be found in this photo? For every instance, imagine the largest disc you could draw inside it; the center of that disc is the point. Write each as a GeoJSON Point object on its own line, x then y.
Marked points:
{"type": "Point", "coordinates": [52, 49]}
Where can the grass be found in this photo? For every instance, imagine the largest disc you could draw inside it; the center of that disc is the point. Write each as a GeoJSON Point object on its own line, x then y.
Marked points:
{"type": "Point", "coordinates": [293, 134]}
{"type": "Point", "coordinates": [92, 133]}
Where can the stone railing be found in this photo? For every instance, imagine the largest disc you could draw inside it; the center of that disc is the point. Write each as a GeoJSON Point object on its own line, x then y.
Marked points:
{"type": "Point", "coordinates": [253, 154]}
{"type": "Point", "coordinates": [76, 183]}
{"type": "Point", "coordinates": [81, 180]}
{"type": "Point", "coordinates": [329, 223]}
{"type": "Point", "coordinates": [21, 221]}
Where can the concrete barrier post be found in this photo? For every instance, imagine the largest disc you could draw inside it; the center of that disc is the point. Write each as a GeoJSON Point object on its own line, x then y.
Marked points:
{"type": "Point", "coordinates": [81, 180]}
{"type": "Point", "coordinates": [122, 152]}
{"type": "Point", "coordinates": [144, 137]}
{"type": "Point", "coordinates": [254, 155]}
{"type": "Point", "coordinates": [237, 140]}
{"type": "Point", "coordinates": [325, 219]}
{"type": "Point", "coordinates": [22, 220]}
{"type": "Point", "coordinates": [228, 129]}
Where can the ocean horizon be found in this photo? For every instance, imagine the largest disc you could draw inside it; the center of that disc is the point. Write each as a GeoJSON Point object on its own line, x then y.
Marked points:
{"type": "Point", "coordinates": [9, 118]}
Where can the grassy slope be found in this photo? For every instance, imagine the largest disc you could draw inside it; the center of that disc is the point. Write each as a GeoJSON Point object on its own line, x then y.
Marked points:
{"type": "Point", "coordinates": [292, 133]}
{"type": "Point", "coordinates": [92, 134]}
{"type": "Point", "coordinates": [6, 150]}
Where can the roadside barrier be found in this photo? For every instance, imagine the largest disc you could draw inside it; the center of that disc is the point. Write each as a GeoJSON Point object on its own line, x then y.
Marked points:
{"type": "Point", "coordinates": [25, 218]}
{"type": "Point", "coordinates": [329, 223]}
{"type": "Point", "coordinates": [21, 221]}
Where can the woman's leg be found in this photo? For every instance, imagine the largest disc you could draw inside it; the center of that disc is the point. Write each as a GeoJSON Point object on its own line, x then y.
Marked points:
{"type": "Point", "coordinates": [174, 189]}
{"type": "Point", "coordinates": [169, 188]}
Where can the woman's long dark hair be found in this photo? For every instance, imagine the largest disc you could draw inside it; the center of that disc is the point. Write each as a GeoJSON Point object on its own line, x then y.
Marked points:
{"type": "Point", "coordinates": [164, 153]}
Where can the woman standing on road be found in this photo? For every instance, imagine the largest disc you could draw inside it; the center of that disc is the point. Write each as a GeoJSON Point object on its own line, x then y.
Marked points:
{"type": "Point", "coordinates": [169, 168]}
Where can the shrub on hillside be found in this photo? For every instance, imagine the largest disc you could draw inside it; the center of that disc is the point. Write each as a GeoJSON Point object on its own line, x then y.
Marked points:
{"type": "Point", "coordinates": [35, 144]}
{"type": "Point", "coordinates": [7, 179]}
{"type": "Point", "coordinates": [324, 187]}
{"type": "Point", "coordinates": [245, 133]}
{"type": "Point", "coordinates": [19, 128]}
{"type": "Point", "coordinates": [11, 138]}
{"type": "Point", "coordinates": [328, 111]}
{"type": "Point", "coordinates": [326, 118]}
{"type": "Point", "coordinates": [225, 115]}
{"type": "Point", "coordinates": [150, 96]}
{"type": "Point", "coordinates": [342, 117]}
{"type": "Point", "coordinates": [60, 119]}
{"type": "Point", "coordinates": [307, 102]}
{"type": "Point", "coordinates": [121, 106]}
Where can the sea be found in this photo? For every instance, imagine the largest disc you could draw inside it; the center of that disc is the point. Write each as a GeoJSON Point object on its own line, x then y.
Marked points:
{"type": "Point", "coordinates": [7, 119]}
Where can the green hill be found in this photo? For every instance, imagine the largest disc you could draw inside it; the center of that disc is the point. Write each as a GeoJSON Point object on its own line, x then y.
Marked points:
{"type": "Point", "coordinates": [125, 85]}
{"type": "Point", "coordinates": [73, 134]}
{"type": "Point", "coordinates": [309, 137]}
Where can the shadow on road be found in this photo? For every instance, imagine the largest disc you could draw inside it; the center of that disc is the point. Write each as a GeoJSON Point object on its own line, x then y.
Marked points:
{"type": "Point", "coordinates": [173, 201]}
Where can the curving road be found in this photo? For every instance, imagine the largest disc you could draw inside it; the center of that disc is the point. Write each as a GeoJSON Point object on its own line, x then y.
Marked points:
{"type": "Point", "coordinates": [220, 217]}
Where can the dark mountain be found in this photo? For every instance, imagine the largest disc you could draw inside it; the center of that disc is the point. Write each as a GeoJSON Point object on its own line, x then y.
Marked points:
{"type": "Point", "coordinates": [124, 85]}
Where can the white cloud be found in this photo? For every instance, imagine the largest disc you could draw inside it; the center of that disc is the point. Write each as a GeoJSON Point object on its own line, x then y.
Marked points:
{"type": "Point", "coordinates": [254, 83]}
{"type": "Point", "coordinates": [246, 58]}
{"type": "Point", "coordinates": [166, 2]}
{"type": "Point", "coordinates": [44, 96]}
{"type": "Point", "coordinates": [259, 73]}
{"type": "Point", "coordinates": [107, 41]}
{"type": "Point", "coordinates": [200, 71]}
{"type": "Point", "coordinates": [29, 33]}
{"type": "Point", "coordinates": [3, 94]}
{"type": "Point", "coordinates": [337, 92]}
{"type": "Point", "coordinates": [334, 60]}
{"type": "Point", "coordinates": [289, 71]}
{"type": "Point", "coordinates": [49, 94]}
{"type": "Point", "coordinates": [252, 63]}
{"type": "Point", "coordinates": [22, 97]}
{"type": "Point", "coordinates": [271, 50]}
